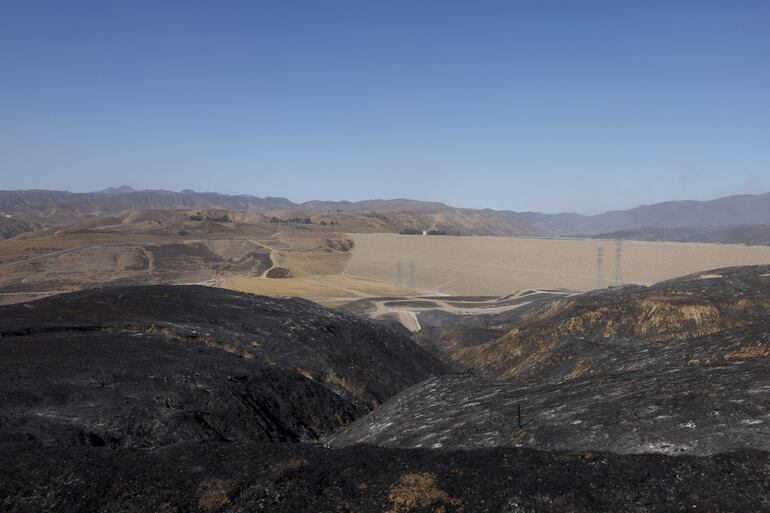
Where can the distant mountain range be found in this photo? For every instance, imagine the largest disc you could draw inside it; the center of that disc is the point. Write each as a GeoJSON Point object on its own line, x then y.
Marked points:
{"type": "Point", "coordinates": [43, 202]}
{"type": "Point", "coordinates": [115, 199]}
{"type": "Point", "coordinates": [728, 211]}
{"type": "Point", "coordinates": [743, 234]}
{"type": "Point", "coordinates": [376, 205]}
{"type": "Point", "coordinates": [123, 189]}
{"type": "Point", "coordinates": [652, 221]}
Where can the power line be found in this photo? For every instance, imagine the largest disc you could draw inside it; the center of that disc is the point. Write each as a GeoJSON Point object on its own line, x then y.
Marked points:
{"type": "Point", "coordinates": [600, 267]}
{"type": "Point", "coordinates": [618, 262]}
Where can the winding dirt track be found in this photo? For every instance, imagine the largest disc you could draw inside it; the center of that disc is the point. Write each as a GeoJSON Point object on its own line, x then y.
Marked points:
{"type": "Point", "coordinates": [407, 314]}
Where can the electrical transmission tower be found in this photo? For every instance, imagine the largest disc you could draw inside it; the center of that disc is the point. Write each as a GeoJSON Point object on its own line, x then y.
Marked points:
{"type": "Point", "coordinates": [600, 268]}
{"type": "Point", "coordinates": [618, 262]}
{"type": "Point", "coordinates": [397, 282]}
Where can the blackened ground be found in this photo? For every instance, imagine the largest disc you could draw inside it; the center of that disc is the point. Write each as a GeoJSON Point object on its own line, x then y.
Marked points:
{"type": "Point", "coordinates": [148, 366]}
{"type": "Point", "coordinates": [348, 354]}
{"type": "Point", "coordinates": [296, 478]}
{"type": "Point", "coordinates": [680, 367]}
{"type": "Point", "coordinates": [699, 396]}
{"type": "Point", "coordinates": [118, 389]}
{"type": "Point", "coordinates": [691, 410]}
{"type": "Point", "coordinates": [180, 384]}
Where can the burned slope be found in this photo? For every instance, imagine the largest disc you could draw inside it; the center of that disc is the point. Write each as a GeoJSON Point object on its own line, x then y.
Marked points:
{"type": "Point", "coordinates": [133, 389]}
{"type": "Point", "coordinates": [702, 396]}
{"type": "Point", "coordinates": [183, 364]}
{"type": "Point", "coordinates": [696, 305]}
{"type": "Point", "coordinates": [140, 366]}
{"type": "Point", "coordinates": [346, 353]}
{"type": "Point", "coordinates": [679, 367]}
{"type": "Point", "coordinates": [294, 478]}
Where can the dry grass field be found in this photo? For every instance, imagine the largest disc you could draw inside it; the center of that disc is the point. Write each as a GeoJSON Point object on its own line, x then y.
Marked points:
{"type": "Point", "coordinates": [503, 265]}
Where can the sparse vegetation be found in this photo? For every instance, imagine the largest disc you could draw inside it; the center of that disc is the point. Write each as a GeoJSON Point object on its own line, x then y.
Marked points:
{"type": "Point", "coordinates": [292, 220]}
{"type": "Point", "coordinates": [287, 470]}
{"type": "Point", "coordinates": [420, 491]}
{"type": "Point", "coordinates": [214, 494]}
{"type": "Point", "coordinates": [224, 218]}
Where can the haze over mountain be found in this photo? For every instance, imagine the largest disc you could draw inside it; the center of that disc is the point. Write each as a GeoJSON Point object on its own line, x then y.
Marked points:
{"type": "Point", "coordinates": [744, 209]}
{"type": "Point", "coordinates": [725, 212]}
{"type": "Point", "coordinates": [123, 189]}
{"type": "Point", "coordinates": [742, 234]}
{"type": "Point", "coordinates": [44, 202]}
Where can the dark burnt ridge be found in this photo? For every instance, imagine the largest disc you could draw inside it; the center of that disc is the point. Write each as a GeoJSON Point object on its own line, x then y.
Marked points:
{"type": "Point", "coordinates": [346, 353]}
{"type": "Point", "coordinates": [148, 366]}
{"type": "Point", "coordinates": [141, 390]}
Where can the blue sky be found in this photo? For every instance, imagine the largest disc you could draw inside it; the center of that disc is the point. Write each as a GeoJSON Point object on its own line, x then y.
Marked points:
{"type": "Point", "coordinates": [552, 106]}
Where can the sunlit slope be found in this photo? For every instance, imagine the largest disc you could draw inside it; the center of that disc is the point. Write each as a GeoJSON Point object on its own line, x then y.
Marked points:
{"type": "Point", "coordinates": [502, 265]}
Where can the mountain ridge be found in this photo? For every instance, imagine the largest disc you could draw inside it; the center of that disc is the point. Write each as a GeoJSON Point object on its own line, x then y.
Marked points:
{"type": "Point", "coordinates": [727, 211]}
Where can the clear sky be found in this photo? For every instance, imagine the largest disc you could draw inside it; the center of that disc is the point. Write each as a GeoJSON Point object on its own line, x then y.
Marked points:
{"type": "Point", "coordinates": [552, 106]}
